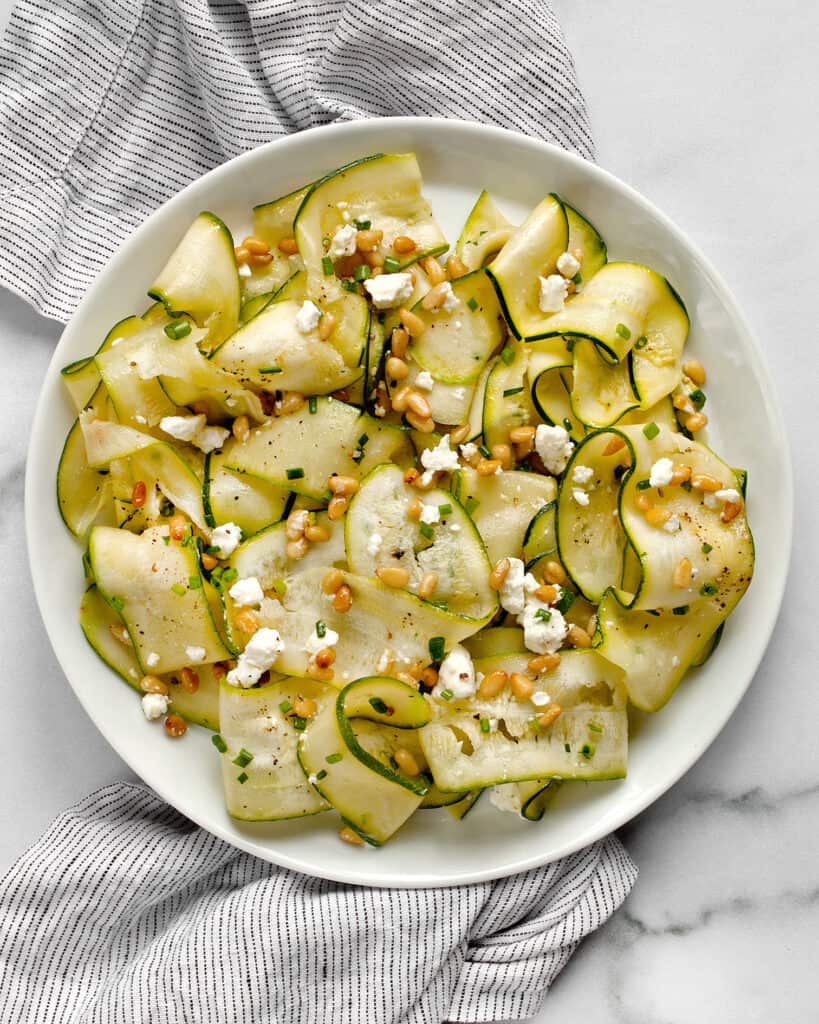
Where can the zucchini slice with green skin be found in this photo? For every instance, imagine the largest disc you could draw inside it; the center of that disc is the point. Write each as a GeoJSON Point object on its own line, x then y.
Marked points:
{"type": "Point", "coordinates": [601, 393]}
{"type": "Point", "coordinates": [136, 400]}
{"type": "Point", "coordinates": [371, 796]}
{"type": "Point", "coordinates": [272, 223]}
{"type": "Point", "coordinates": [376, 344]}
{"type": "Point", "coordinates": [229, 497]}
{"type": "Point", "coordinates": [474, 419]}
{"type": "Point", "coordinates": [460, 809]}
{"type": "Point", "coordinates": [531, 252]}
{"type": "Point", "coordinates": [507, 403]}
{"type": "Point", "coordinates": [264, 555]}
{"type": "Point", "coordinates": [541, 536]}
{"type": "Point", "coordinates": [301, 451]}
{"type": "Point", "coordinates": [490, 643]}
{"type": "Point", "coordinates": [82, 377]}
{"type": "Point", "coordinates": [588, 741]}
{"type": "Point", "coordinates": [271, 352]}
{"type": "Point", "coordinates": [254, 305]}
{"type": "Point", "coordinates": [457, 343]}
{"type": "Point", "coordinates": [96, 619]}
{"type": "Point", "coordinates": [552, 397]}
{"type": "Point", "coordinates": [271, 786]}
{"type": "Point", "coordinates": [449, 403]}
{"type": "Point", "coordinates": [528, 799]}
{"type": "Point", "coordinates": [382, 742]}
{"type": "Point", "coordinates": [485, 233]}
{"type": "Point", "coordinates": [663, 414]}
{"type": "Point", "coordinates": [586, 244]}
{"type": "Point", "coordinates": [202, 280]}
{"type": "Point", "coordinates": [502, 506]}
{"type": "Point", "coordinates": [157, 589]}
{"type": "Point", "coordinates": [83, 492]}
{"type": "Point", "coordinates": [380, 534]}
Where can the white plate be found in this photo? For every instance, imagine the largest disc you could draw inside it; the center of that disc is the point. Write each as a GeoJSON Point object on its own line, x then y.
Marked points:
{"type": "Point", "coordinates": [457, 159]}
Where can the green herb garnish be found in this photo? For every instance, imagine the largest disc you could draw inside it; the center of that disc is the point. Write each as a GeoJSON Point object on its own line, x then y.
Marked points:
{"type": "Point", "coordinates": [512, 391]}
{"type": "Point", "coordinates": [623, 331]}
{"type": "Point", "coordinates": [706, 549]}
{"type": "Point", "coordinates": [116, 603]}
{"type": "Point", "coordinates": [444, 510]}
{"type": "Point", "coordinates": [587, 750]}
{"type": "Point", "coordinates": [567, 599]}
{"type": "Point", "coordinates": [333, 758]}
{"type": "Point", "coordinates": [697, 396]}
{"type": "Point", "coordinates": [641, 342]}
{"type": "Point", "coordinates": [300, 724]}
{"type": "Point", "coordinates": [327, 266]}
{"type": "Point", "coordinates": [219, 743]}
{"type": "Point", "coordinates": [543, 614]}
{"type": "Point", "coordinates": [447, 694]}
{"type": "Point", "coordinates": [643, 485]}
{"type": "Point", "coordinates": [285, 706]}
{"type": "Point", "coordinates": [194, 583]}
{"type": "Point", "coordinates": [437, 646]}
{"type": "Point", "coordinates": [321, 774]}
{"type": "Point", "coordinates": [567, 425]}
{"type": "Point", "coordinates": [508, 355]}
{"type": "Point", "coordinates": [270, 369]}
{"type": "Point", "coordinates": [295, 474]}
{"type": "Point", "coordinates": [362, 223]}
{"type": "Point", "coordinates": [426, 530]}
{"type": "Point", "coordinates": [651, 430]}
{"type": "Point", "coordinates": [312, 404]}
{"type": "Point", "coordinates": [472, 302]}
{"type": "Point", "coordinates": [485, 727]}
{"type": "Point", "coordinates": [243, 758]}
{"type": "Point", "coordinates": [391, 264]}
{"type": "Point", "coordinates": [708, 589]}
{"type": "Point", "coordinates": [484, 451]}
{"type": "Point", "coordinates": [362, 272]}
{"type": "Point", "coordinates": [377, 704]}
{"type": "Point", "coordinates": [179, 589]}
{"type": "Point", "coordinates": [321, 629]}
{"type": "Point", "coordinates": [178, 329]}
{"type": "Point", "coordinates": [242, 779]}
{"type": "Point", "coordinates": [682, 610]}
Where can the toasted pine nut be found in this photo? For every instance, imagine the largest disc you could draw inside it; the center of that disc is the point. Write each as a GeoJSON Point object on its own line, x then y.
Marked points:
{"type": "Point", "coordinates": [429, 676]}
{"type": "Point", "coordinates": [553, 572]}
{"type": "Point", "coordinates": [695, 371]}
{"type": "Point", "coordinates": [368, 239]}
{"type": "Point", "coordinates": [544, 662]}
{"type": "Point", "coordinates": [189, 680]}
{"type": "Point", "coordinates": [419, 405]}
{"type": "Point", "coordinates": [705, 482]}
{"type": "Point", "coordinates": [643, 501]}
{"type": "Point", "coordinates": [435, 297]}
{"type": "Point", "coordinates": [325, 657]}
{"type": "Point", "coordinates": [326, 326]}
{"type": "Point", "coordinates": [403, 244]}
{"type": "Point", "coordinates": [343, 599]}
{"type": "Point", "coordinates": [730, 510]}
{"type": "Point", "coordinates": [260, 259]}
{"type": "Point", "coordinates": [374, 260]}
{"type": "Point", "coordinates": [415, 508]}
{"type": "Point", "coordinates": [492, 684]}
{"type": "Point", "coordinates": [219, 670]}
{"type": "Point", "coordinates": [456, 267]}
{"type": "Point", "coordinates": [177, 526]}
{"type": "Point", "coordinates": [426, 588]}
{"type": "Point", "coordinates": [487, 467]}
{"type": "Point", "coordinates": [549, 716]}
{"type": "Point", "coordinates": [614, 445]}
{"type": "Point", "coordinates": [521, 686]}
{"type": "Point", "coordinates": [241, 428]}
{"type": "Point", "coordinates": [695, 422]}
{"type": "Point", "coordinates": [346, 835]}
{"type": "Point", "coordinates": [393, 576]}
{"type": "Point", "coordinates": [680, 474]}
{"type": "Point", "coordinates": [343, 485]}
{"type": "Point", "coordinates": [411, 477]}
{"type": "Point", "coordinates": [578, 637]}
{"type": "Point", "coordinates": [316, 533]}
{"type": "Point", "coordinates": [524, 449]}
{"type": "Point", "coordinates": [296, 523]}
{"type": "Point", "coordinates": [396, 368]}
{"type": "Point", "coordinates": [304, 707]}
{"type": "Point", "coordinates": [407, 764]}
{"type": "Point", "coordinates": [246, 621]}
{"type": "Point", "coordinates": [657, 516]}
{"type": "Point", "coordinates": [255, 245]}
{"type": "Point", "coordinates": [175, 726]}
{"type": "Point", "coordinates": [209, 562]}
{"type": "Point", "coordinates": [297, 549]}
{"type": "Point", "coordinates": [520, 435]}
{"type": "Point", "coordinates": [423, 424]}
{"type": "Point", "coordinates": [413, 325]}
{"type": "Point", "coordinates": [153, 684]}
{"type": "Point", "coordinates": [399, 342]}
{"type": "Point", "coordinates": [433, 269]}
{"type": "Point", "coordinates": [139, 494]}
{"type": "Point", "coordinates": [323, 675]}
{"type": "Point", "coordinates": [681, 577]}
{"type": "Point", "coordinates": [292, 401]}
{"type": "Point", "coordinates": [458, 434]}
{"type": "Point", "coordinates": [498, 575]}
{"type": "Point", "coordinates": [119, 632]}
{"type": "Point", "coordinates": [503, 454]}
{"type": "Point", "coordinates": [682, 403]}
{"type": "Point", "coordinates": [546, 593]}
{"type": "Point", "coordinates": [288, 246]}
{"type": "Point", "coordinates": [241, 253]}
{"type": "Point", "coordinates": [332, 581]}
{"type": "Point", "coordinates": [399, 399]}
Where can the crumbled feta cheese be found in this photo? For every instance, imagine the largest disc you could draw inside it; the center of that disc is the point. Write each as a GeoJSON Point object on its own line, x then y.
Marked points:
{"type": "Point", "coordinates": [227, 538]}
{"type": "Point", "coordinates": [343, 243]}
{"type": "Point", "coordinates": [155, 705]}
{"type": "Point", "coordinates": [675, 661]}
{"type": "Point", "coordinates": [424, 381]}
{"type": "Point", "coordinates": [567, 264]}
{"type": "Point", "coordinates": [152, 660]}
{"type": "Point", "coordinates": [672, 525]}
{"type": "Point", "coordinates": [553, 292]}
{"type": "Point", "coordinates": [139, 418]}
{"type": "Point", "coordinates": [505, 798]}
{"type": "Point", "coordinates": [430, 514]}
{"type": "Point", "coordinates": [439, 459]}
{"type": "Point", "coordinates": [582, 474]}
{"type": "Point", "coordinates": [512, 596]}
{"type": "Point", "coordinates": [541, 634]}
{"type": "Point", "coordinates": [710, 500]}
{"type": "Point", "coordinates": [454, 527]}
{"type": "Point", "coordinates": [261, 652]}
{"type": "Point", "coordinates": [388, 290]}
{"type": "Point", "coordinates": [530, 585]}
{"type": "Point", "coordinates": [374, 542]}
{"type": "Point", "coordinates": [661, 473]}
{"type": "Point", "coordinates": [380, 411]}
{"type": "Point", "coordinates": [244, 270]}
{"type": "Point", "coordinates": [580, 496]}
{"type": "Point", "coordinates": [469, 450]}
{"type": "Point", "coordinates": [247, 592]}
{"type": "Point", "coordinates": [554, 446]}
{"type": "Point", "coordinates": [195, 654]}
{"type": "Point", "coordinates": [211, 438]}
{"type": "Point", "coordinates": [230, 403]}
{"type": "Point", "coordinates": [307, 317]}
{"type": "Point", "coordinates": [729, 495]}
{"type": "Point", "coordinates": [451, 300]}
{"type": "Point", "coordinates": [457, 673]}
{"type": "Point", "coordinates": [315, 643]}
{"type": "Point", "coordinates": [539, 698]}
{"type": "Point", "coordinates": [183, 428]}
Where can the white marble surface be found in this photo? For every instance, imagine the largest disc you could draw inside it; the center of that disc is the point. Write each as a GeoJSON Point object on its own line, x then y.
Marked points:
{"type": "Point", "coordinates": [706, 108]}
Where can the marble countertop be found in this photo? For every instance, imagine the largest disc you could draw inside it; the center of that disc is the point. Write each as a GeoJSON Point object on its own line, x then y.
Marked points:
{"type": "Point", "coordinates": [704, 108]}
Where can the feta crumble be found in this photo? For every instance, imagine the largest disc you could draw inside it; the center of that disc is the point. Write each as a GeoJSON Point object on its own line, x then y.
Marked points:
{"type": "Point", "coordinates": [582, 474]}
{"type": "Point", "coordinates": [580, 496]}
{"type": "Point", "coordinates": [343, 243]}
{"type": "Point", "coordinates": [194, 430]}
{"type": "Point", "coordinates": [710, 500]}
{"type": "Point", "coordinates": [244, 270]}
{"type": "Point", "coordinates": [247, 592]}
{"type": "Point", "coordinates": [307, 317]}
{"type": "Point", "coordinates": [468, 450]}
{"type": "Point", "coordinates": [439, 459]}
{"type": "Point", "coordinates": [152, 660]}
{"type": "Point", "coordinates": [211, 438]}
{"type": "Point", "coordinates": [226, 538]}
{"type": "Point", "coordinates": [672, 525]}
{"type": "Point", "coordinates": [568, 264]}
{"type": "Point", "coordinates": [457, 674]}
{"type": "Point", "coordinates": [542, 635]}
{"type": "Point", "coordinates": [155, 705]}
{"type": "Point", "coordinates": [430, 514]}
{"type": "Point", "coordinates": [388, 290]}
{"type": "Point", "coordinates": [661, 473]}
{"type": "Point", "coordinates": [729, 495]}
{"type": "Point", "coordinates": [450, 300]}
{"type": "Point", "coordinates": [553, 292]}
{"type": "Point", "coordinates": [195, 654]}
{"type": "Point", "coordinates": [554, 446]}
{"type": "Point", "coordinates": [512, 595]}
{"type": "Point", "coordinates": [424, 381]}
{"type": "Point", "coordinates": [540, 698]}
{"type": "Point", "coordinates": [261, 652]}
{"type": "Point", "coordinates": [374, 542]}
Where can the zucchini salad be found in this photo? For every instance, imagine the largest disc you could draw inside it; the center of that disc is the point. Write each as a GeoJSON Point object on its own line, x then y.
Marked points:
{"type": "Point", "coordinates": [400, 526]}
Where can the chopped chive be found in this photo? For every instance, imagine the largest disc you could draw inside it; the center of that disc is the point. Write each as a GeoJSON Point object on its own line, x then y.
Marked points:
{"type": "Point", "coordinates": [230, 575]}
{"type": "Point", "coordinates": [333, 758]}
{"type": "Point", "coordinates": [362, 223]}
{"type": "Point", "coordinates": [512, 391]}
{"type": "Point", "coordinates": [578, 278]}
{"type": "Point", "coordinates": [651, 430]}
{"type": "Point", "coordinates": [321, 774]}
{"type": "Point", "coordinates": [697, 396]}
{"type": "Point", "coordinates": [327, 266]}
{"type": "Point", "coordinates": [623, 331]}
{"type": "Point", "coordinates": [471, 505]}
{"type": "Point", "coordinates": [285, 706]}
{"type": "Point", "coordinates": [708, 589]}
{"type": "Point", "coordinates": [300, 724]}
{"type": "Point", "coordinates": [485, 451]}
{"type": "Point", "coordinates": [180, 589]}
{"type": "Point", "coordinates": [280, 587]}
{"type": "Point", "coordinates": [243, 758]}
{"type": "Point", "coordinates": [643, 485]}
{"type": "Point", "coordinates": [567, 425]}
{"type": "Point", "coordinates": [587, 750]}
{"type": "Point", "coordinates": [321, 629]}
{"type": "Point", "coordinates": [508, 355]}
{"type": "Point", "coordinates": [682, 610]}
{"type": "Point", "coordinates": [391, 264]}
{"type": "Point", "coordinates": [362, 441]}
{"type": "Point", "coordinates": [194, 583]}
{"type": "Point", "coordinates": [543, 614]}
{"type": "Point", "coordinates": [641, 342]}
{"type": "Point", "coordinates": [295, 474]}
{"type": "Point", "coordinates": [377, 704]}
{"type": "Point", "coordinates": [686, 485]}
{"type": "Point", "coordinates": [312, 404]}
{"type": "Point", "coordinates": [444, 510]}
{"type": "Point", "coordinates": [166, 539]}
{"type": "Point", "coordinates": [178, 329]}
{"type": "Point", "coordinates": [426, 530]}
{"type": "Point", "coordinates": [219, 743]}
{"type": "Point", "coordinates": [437, 646]}
{"type": "Point", "coordinates": [117, 603]}
{"type": "Point", "coordinates": [567, 748]}
{"type": "Point", "coordinates": [652, 611]}
{"type": "Point", "coordinates": [485, 725]}
{"type": "Point", "coordinates": [242, 779]}
{"type": "Point", "coordinates": [350, 285]}
{"type": "Point", "coordinates": [707, 549]}
{"type": "Point", "coordinates": [447, 694]}
{"type": "Point", "coordinates": [595, 727]}
{"type": "Point", "coordinates": [472, 302]}
{"type": "Point", "coordinates": [567, 599]}
{"type": "Point", "coordinates": [211, 550]}
{"type": "Point", "coordinates": [362, 272]}
{"type": "Point", "coordinates": [270, 369]}
{"type": "Point", "coordinates": [187, 536]}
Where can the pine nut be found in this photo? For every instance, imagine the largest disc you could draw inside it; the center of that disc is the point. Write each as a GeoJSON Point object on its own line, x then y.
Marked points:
{"type": "Point", "coordinates": [458, 435]}
{"type": "Point", "coordinates": [246, 621]}
{"type": "Point", "coordinates": [544, 662]}
{"type": "Point", "coordinates": [705, 482]}
{"type": "Point", "coordinates": [323, 675]}
{"type": "Point", "coordinates": [419, 405]}
{"type": "Point", "coordinates": [255, 245]}
{"type": "Point", "coordinates": [139, 494]}
{"type": "Point", "coordinates": [488, 467]}
{"type": "Point", "coordinates": [332, 581]}
{"type": "Point", "coordinates": [403, 245]}
{"type": "Point", "coordinates": [503, 454]}
{"type": "Point", "coordinates": [189, 680]}
{"type": "Point", "coordinates": [399, 399]}
{"type": "Point", "coordinates": [695, 371]}
{"type": "Point", "coordinates": [578, 637]}
{"type": "Point", "coordinates": [680, 474]}
{"type": "Point", "coordinates": [615, 445]}
{"type": "Point", "coordinates": [681, 577]}
{"type": "Point", "coordinates": [326, 326]}
{"type": "Point", "coordinates": [288, 246]}
{"type": "Point", "coordinates": [492, 684]}
{"type": "Point", "coordinates": [413, 325]}
{"type": "Point", "coordinates": [399, 342]}
{"type": "Point", "coordinates": [304, 707]}
{"type": "Point", "coordinates": [325, 657]}
{"type": "Point", "coordinates": [643, 501]}
{"type": "Point", "coordinates": [423, 424]}
{"type": "Point", "coordinates": [297, 549]}
{"type": "Point", "coordinates": [456, 267]}
{"type": "Point", "coordinates": [411, 477]}
{"type": "Point", "coordinates": [547, 593]}
{"type": "Point", "coordinates": [415, 508]}
{"type": "Point", "coordinates": [396, 368]}
{"type": "Point", "coordinates": [433, 269]}
{"type": "Point", "coordinates": [241, 429]}
{"type": "Point", "coordinates": [343, 485]}
{"type": "Point", "coordinates": [695, 422]}
{"type": "Point", "coordinates": [374, 260]}
{"type": "Point", "coordinates": [347, 835]}
{"type": "Point", "coordinates": [521, 686]}
{"type": "Point", "coordinates": [317, 534]}
{"type": "Point", "coordinates": [657, 516]}
{"type": "Point", "coordinates": [407, 764]}
{"type": "Point", "coordinates": [153, 684]}
{"type": "Point", "coordinates": [682, 403]}
{"type": "Point", "coordinates": [175, 726]}
{"type": "Point", "coordinates": [520, 435]}
{"type": "Point", "coordinates": [209, 562]}
{"type": "Point", "coordinates": [553, 572]}
{"type": "Point", "coordinates": [368, 239]}
{"type": "Point", "coordinates": [524, 449]}
{"type": "Point", "coordinates": [119, 632]}
{"type": "Point", "coordinates": [177, 526]}
{"type": "Point", "coordinates": [241, 254]}
{"type": "Point", "coordinates": [260, 259]}
{"type": "Point", "coordinates": [730, 510]}
{"type": "Point", "coordinates": [393, 576]}
{"type": "Point", "coordinates": [498, 575]}
{"type": "Point", "coordinates": [343, 599]}
{"type": "Point", "coordinates": [296, 523]}
{"type": "Point", "coordinates": [435, 297]}
{"type": "Point", "coordinates": [426, 588]}
{"type": "Point", "coordinates": [292, 401]}
{"type": "Point", "coordinates": [549, 716]}
{"type": "Point", "coordinates": [429, 676]}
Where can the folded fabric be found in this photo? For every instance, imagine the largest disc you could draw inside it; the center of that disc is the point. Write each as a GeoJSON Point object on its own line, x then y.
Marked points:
{"type": "Point", "coordinates": [126, 911]}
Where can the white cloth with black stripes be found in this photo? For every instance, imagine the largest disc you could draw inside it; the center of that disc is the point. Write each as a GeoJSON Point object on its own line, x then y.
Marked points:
{"type": "Point", "coordinates": [125, 910]}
